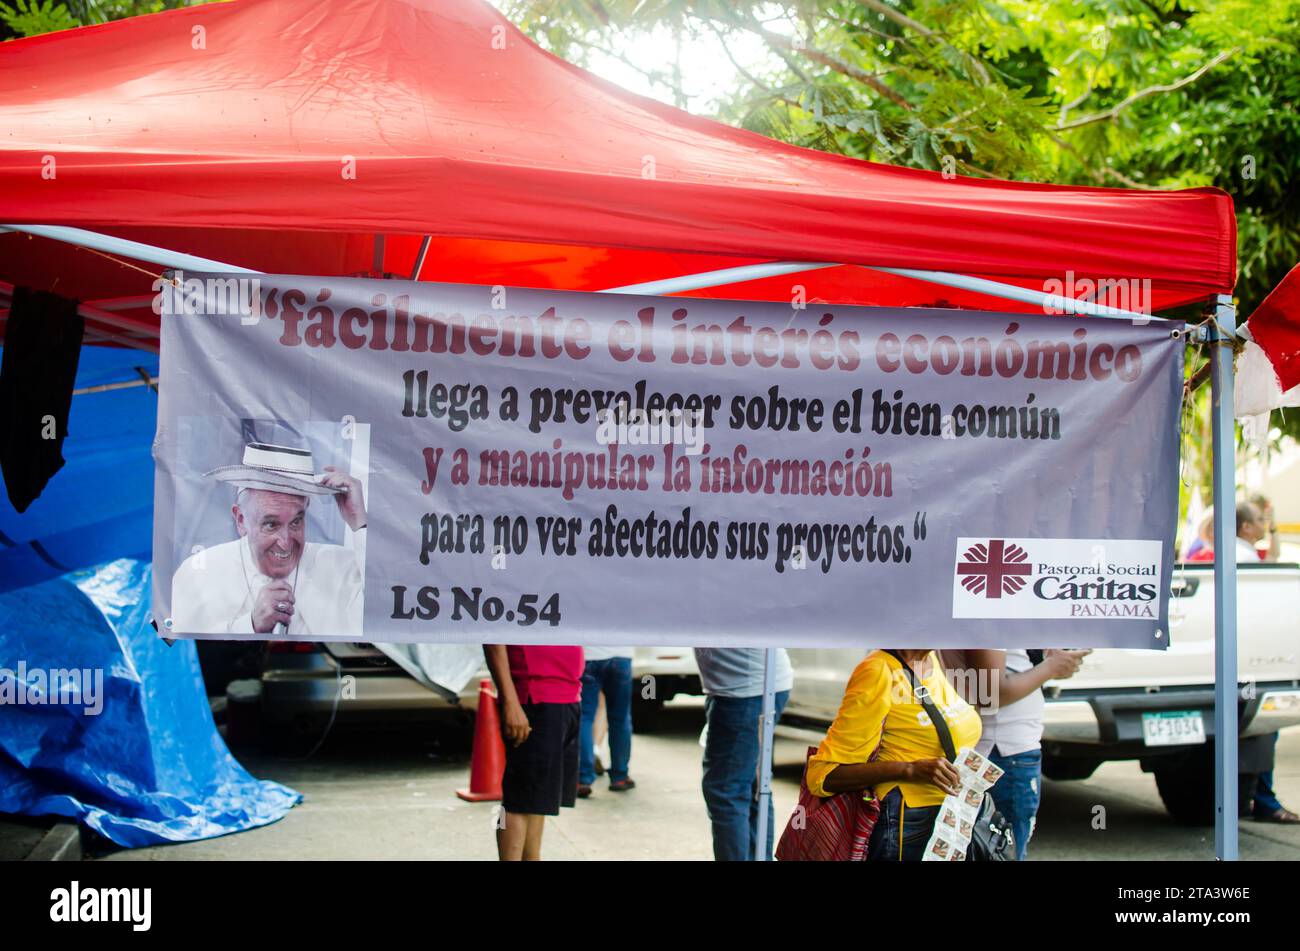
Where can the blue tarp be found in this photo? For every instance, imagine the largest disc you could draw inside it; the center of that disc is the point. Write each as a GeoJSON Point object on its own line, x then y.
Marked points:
{"type": "Point", "coordinates": [147, 764]}
{"type": "Point", "coordinates": [99, 506]}
{"type": "Point", "coordinates": [132, 751]}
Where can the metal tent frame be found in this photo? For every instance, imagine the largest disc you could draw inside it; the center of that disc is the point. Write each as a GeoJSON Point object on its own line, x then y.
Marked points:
{"type": "Point", "coordinates": [1219, 334]}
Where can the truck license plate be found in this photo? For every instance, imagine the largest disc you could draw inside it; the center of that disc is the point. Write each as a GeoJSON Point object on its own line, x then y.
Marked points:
{"type": "Point", "coordinates": [1173, 728]}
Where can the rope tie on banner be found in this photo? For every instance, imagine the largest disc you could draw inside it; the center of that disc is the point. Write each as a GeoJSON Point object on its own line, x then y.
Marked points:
{"type": "Point", "coordinates": [1222, 337]}
{"type": "Point", "coordinates": [117, 260]}
{"type": "Point", "coordinates": [1186, 415]}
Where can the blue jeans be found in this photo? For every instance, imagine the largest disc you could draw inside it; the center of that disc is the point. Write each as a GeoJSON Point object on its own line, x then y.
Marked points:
{"type": "Point", "coordinates": [1265, 800]}
{"type": "Point", "coordinates": [614, 678]}
{"type": "Point", "coordinates": [731, 775]}
{"type": "Point", "coordinates": [1260, 799]}
{"type": "Point", "coordinates": [1018, 793]}
{"type": "Point", "coordinates": [902, 832]}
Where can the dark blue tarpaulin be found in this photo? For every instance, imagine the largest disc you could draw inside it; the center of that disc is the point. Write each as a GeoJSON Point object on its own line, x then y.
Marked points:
{"type": "Point", "coordinates": [99, 719]}
{"type": "Point", "coordinates": [102, 721]}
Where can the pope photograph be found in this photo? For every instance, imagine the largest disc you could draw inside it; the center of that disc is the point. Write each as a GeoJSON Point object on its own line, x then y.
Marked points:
{"type": "Point", "coordinates": [272, 580]}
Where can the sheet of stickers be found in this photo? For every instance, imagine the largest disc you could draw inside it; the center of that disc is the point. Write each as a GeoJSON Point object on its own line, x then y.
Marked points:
{"type": "Point", "coordinates": [956, 822]}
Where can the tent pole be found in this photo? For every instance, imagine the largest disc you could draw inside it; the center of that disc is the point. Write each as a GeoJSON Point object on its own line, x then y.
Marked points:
{"type": "Point", "coordinates": [766, 740]}
{"type": "Point", "coordinates": [752, 272]}
{"type": "Point", "coordinates": [672, 285]}
{"type": "Point", "coordinates": [1225, 580]}
{"type": "Point", "coordinates": [419, 258]}
{"type": "Point", "coordinates": [139, 302]}
{"type": "Point", "coordinates": [131, 249]}
{"type": "Point", "coordinates": [116, 320]}
{"type": "Point", "coordinates": [727, 275]}
{"type": "Point", "coordinates": [149, 381]}
{"type": "Point", "coordinates": [1049, 302]}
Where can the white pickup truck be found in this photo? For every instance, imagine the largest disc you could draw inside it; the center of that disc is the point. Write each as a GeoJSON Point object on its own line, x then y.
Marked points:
{"type": "Point", "coordinates": [1153, 706]}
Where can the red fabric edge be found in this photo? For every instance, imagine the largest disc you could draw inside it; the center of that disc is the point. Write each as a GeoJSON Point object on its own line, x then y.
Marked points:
{"type": "Point", "coordinates": [1275, 326]}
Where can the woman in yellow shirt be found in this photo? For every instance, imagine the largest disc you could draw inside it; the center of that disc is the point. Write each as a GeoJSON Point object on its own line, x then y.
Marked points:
{"type": "Point", "coordinates": [883, 741]}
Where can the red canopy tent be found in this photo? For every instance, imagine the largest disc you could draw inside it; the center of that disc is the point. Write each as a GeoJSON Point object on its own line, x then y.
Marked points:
{"type": "Point", "coordinates": [285, 136]}
{"type": "Point", "coordinates": [343, 136]}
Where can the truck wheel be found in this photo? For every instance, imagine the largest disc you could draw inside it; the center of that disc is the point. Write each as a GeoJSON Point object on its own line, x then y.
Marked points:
{"type": "Point", "coordinates": [1065, 769]}
{"type": "Point", "coordinates": [243, 712]}
{"type": "Point", "coordinates": [646, 714]}
{"type": "Point", "coordinates": [1186, 787]}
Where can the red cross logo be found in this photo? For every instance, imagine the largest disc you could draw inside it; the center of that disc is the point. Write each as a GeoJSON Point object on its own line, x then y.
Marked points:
{"type": "Point", "coordinates": [996, 569]}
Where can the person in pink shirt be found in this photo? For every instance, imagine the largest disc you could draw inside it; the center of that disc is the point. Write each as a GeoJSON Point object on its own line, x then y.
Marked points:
{"type": "Point", "coordinates": [539, 690]}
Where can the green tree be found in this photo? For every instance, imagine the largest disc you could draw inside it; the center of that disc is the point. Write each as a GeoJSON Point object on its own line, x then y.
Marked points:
{"type": "Point", "coordinates": [1133, 93]}
{"type": "Point", "coordinates": [33, 17]}
{"type": "Point", "coordinates": [1150, 93]}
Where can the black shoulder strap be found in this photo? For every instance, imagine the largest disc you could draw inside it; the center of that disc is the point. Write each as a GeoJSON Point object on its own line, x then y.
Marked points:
{"type": "Point", "coordinates": [922, 693]}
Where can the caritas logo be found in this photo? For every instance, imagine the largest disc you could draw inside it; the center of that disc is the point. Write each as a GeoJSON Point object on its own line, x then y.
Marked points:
{"type": "Point", "coordinates": [1057, 578]}
{"type": "Point", "coordinates": [994, 569]}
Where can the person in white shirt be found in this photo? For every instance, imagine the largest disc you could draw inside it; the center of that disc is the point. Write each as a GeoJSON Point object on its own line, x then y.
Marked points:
{"type": "Point", "coordinates": [1254, 525]}
{"type": "Point", "coordinates": [1269, 525]}
{"type": "Point", "coordinates": [1252, 528]}
{"type": "Point", "coordinates": [1006, 687]}
{"type": "Point", "coordinates": [271, 580]}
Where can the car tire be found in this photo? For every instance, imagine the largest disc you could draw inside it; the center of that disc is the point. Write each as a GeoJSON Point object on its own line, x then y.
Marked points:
{"type": "Point", "coordinates": [1064, 770]}
{"type": "Point", "coordinates": [296, 737]}
{"type": "Point", "coordinates": [1186, 787]}
{"type": "Point", "coordinates": [243, 713]}
{"type": "Point", "coordinates": [647, 714]}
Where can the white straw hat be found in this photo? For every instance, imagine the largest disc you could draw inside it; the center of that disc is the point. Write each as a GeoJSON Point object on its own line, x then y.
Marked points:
{"type": "Point", "coordinates": [275, 469]}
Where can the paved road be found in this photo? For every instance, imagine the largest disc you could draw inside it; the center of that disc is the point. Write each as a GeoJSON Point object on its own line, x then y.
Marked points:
{"type": "Point", "coordinates": [391, 795]}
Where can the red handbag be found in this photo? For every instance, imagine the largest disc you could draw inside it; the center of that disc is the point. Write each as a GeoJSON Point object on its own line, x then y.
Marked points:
{"type": "Point", "coordinates": [828, 828]}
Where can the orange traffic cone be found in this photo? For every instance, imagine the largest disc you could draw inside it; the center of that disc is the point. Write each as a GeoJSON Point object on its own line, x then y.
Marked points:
{"type": "Point", "coordinates": [488, 763]}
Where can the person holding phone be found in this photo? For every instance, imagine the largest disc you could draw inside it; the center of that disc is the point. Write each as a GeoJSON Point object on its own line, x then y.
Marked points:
{"type": "Point", "coordinates": [883, 741]}
{"type": "Point", "coordinates": [1009, 695]}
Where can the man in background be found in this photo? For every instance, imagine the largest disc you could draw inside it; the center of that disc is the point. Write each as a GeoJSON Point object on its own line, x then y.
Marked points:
{"type": "Point", "coordinates": [1269, 519]}
{"type": "Point", "coordinates": [1254, 525]}
{"type": "Point", "coordinates": [608, 672]}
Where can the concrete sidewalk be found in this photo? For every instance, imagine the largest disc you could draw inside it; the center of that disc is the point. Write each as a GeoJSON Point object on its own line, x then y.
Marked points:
{"type": "Point", "coordinates": [46, 839]}
{"type": "Point", "coordinates": [383, 797]}
{"type": "Point", "coordinates": [390, 796]}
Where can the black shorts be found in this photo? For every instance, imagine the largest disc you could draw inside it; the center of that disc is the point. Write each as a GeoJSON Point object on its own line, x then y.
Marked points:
{"type": "Point", "coordinates": [542, 772]}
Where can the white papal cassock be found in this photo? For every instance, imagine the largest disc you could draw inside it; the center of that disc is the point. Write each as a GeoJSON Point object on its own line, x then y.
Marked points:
{"type": "Point", "coordinates": [213, 591]}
